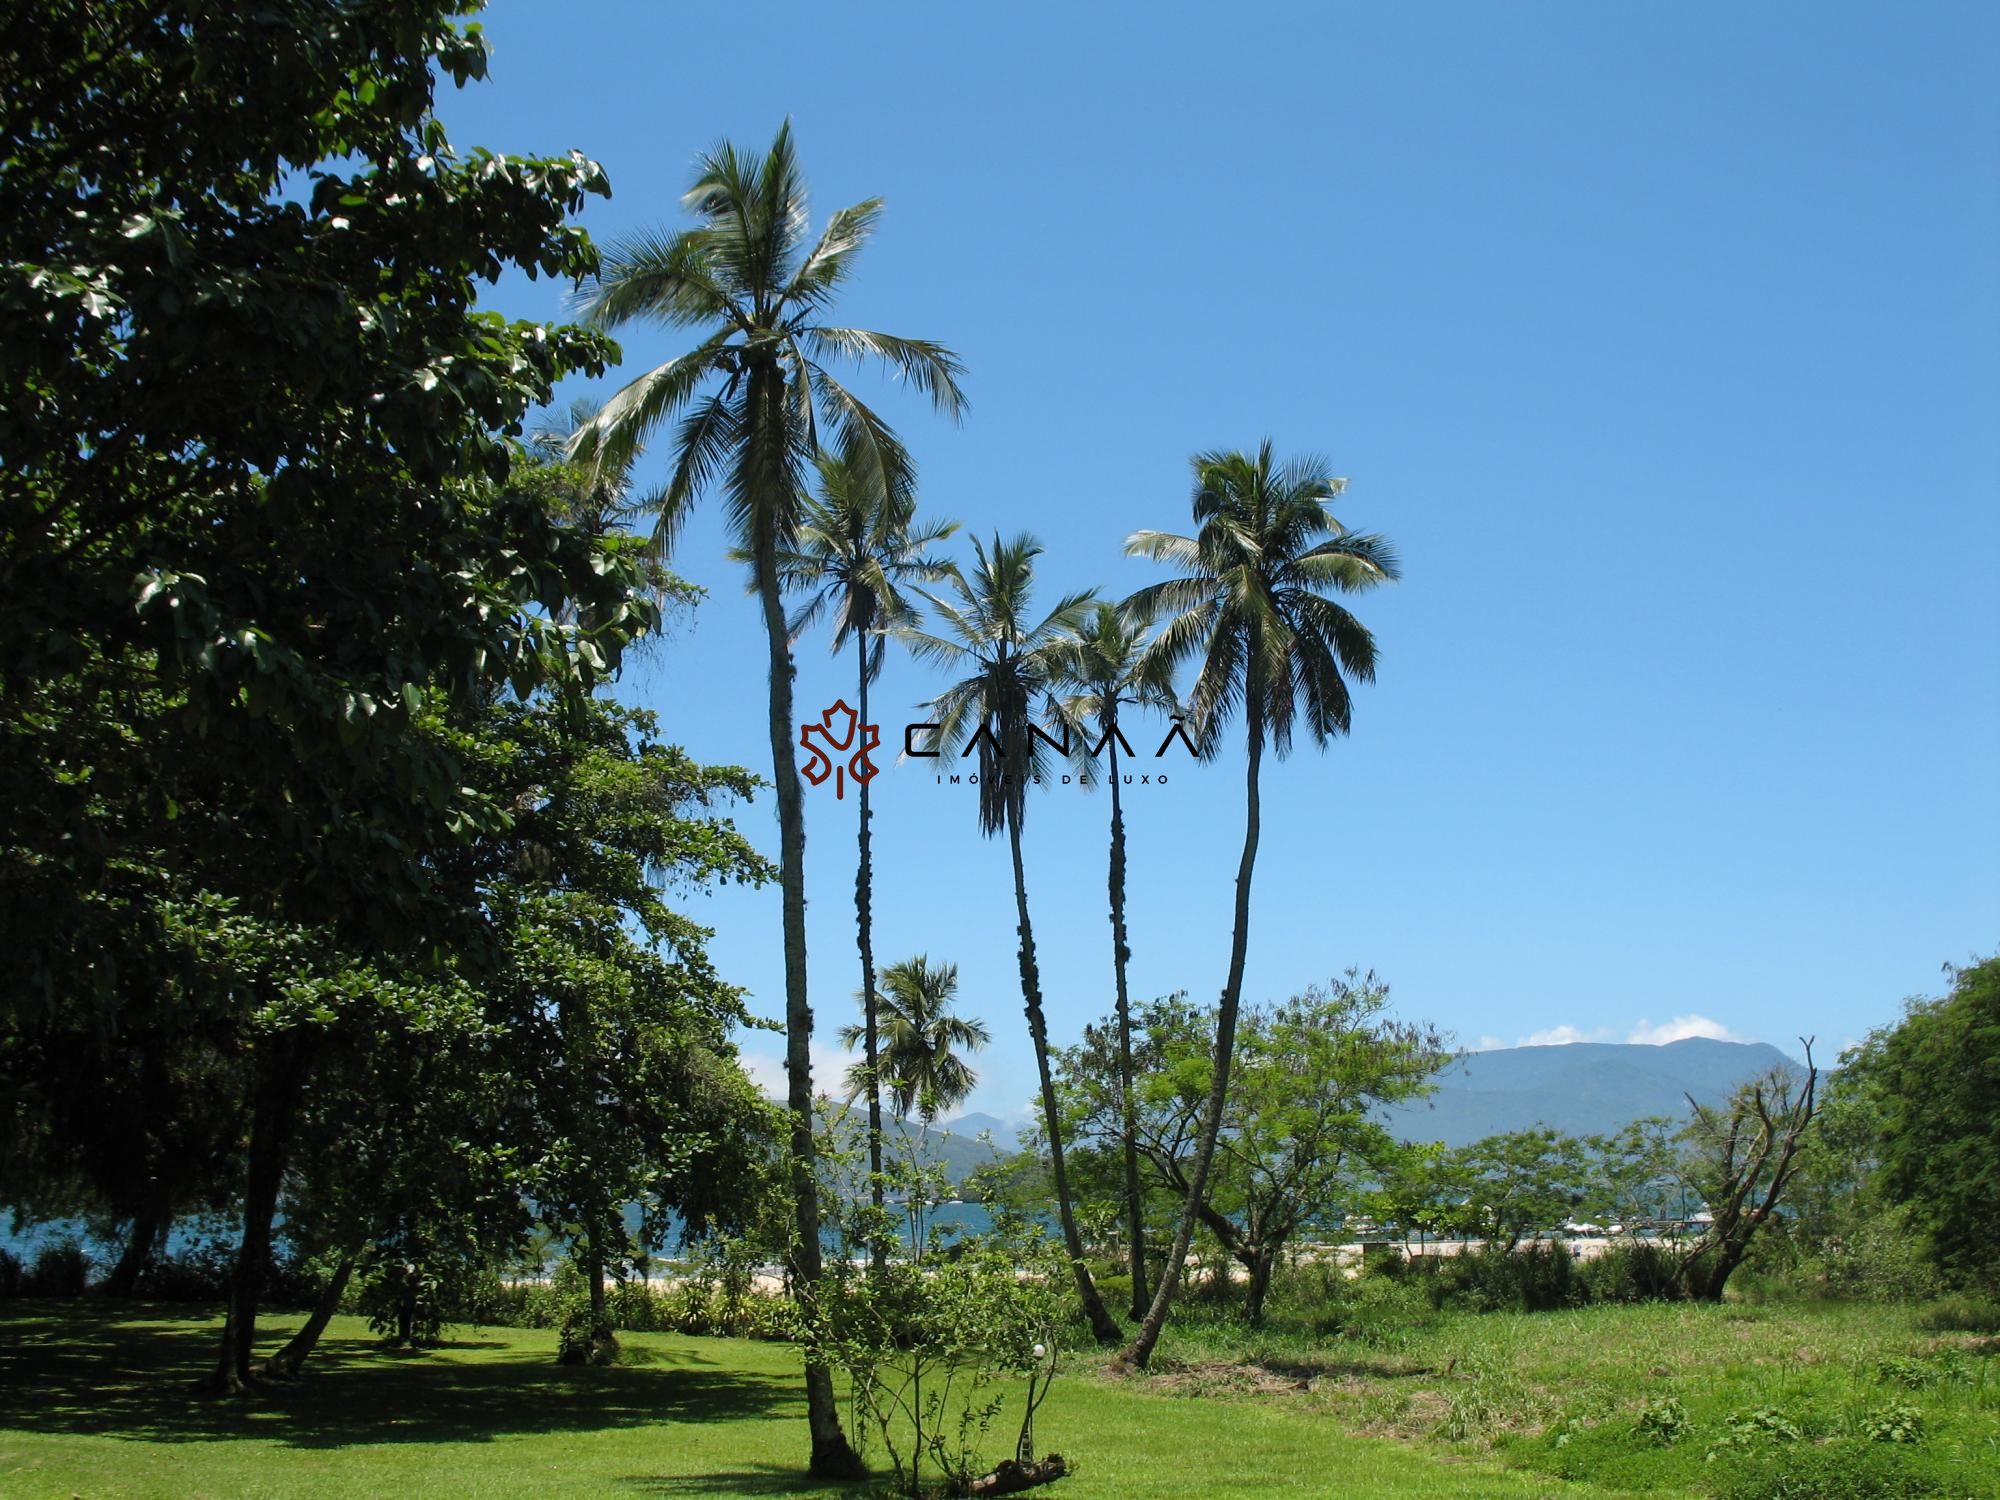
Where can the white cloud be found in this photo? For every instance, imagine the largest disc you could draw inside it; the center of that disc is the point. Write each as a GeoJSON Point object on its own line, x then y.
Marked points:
{"type": "Point", "coordinates": [1680, 1028]}
{"type": "Point", "coordinates": [1488, 1043]}
{"type": "Point", "coordinates": [1644, 1034]}
{"type": "Point", "coordinates": [1565, 1035]}
{"type": "Point", "coordinates": [766, 1067]}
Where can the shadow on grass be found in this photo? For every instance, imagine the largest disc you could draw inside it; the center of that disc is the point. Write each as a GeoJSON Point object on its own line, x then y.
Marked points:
{"type": "Point", "coordinates": [767, 1479]}
{"type": "Point", "coordinates": [89, 1369]}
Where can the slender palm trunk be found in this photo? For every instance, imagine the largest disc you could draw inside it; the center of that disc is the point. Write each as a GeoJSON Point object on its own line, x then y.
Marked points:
{"type": "Point", "coordinates": [864, 935]}
{"type": "Point", "coordinates": [1121, 953]}
{"type": "Point", "coordinates": [1140, 1350]}
{"type": "Point", "coordinates": [1102, 1326]}
{"type": "Point", "coordinates": [832, 1457]}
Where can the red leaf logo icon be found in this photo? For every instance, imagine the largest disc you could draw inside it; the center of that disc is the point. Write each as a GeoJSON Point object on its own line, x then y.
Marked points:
{"type": "Point", "coordinates": [835, 731]}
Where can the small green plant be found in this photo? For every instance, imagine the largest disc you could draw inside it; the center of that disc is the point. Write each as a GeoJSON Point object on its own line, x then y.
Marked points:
{"type": "Point", "coordinates": [1897, 1422]}
{"type": "Point", "coordinates": [1666, 1421]}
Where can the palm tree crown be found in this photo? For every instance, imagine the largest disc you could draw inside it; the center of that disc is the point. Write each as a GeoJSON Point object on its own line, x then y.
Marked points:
{"type": "Point", "coordinates": [747, 276]}
{"type": "Point", "coordinates": [855, 549]}
{"type": "Point", "coordinates": [920, 1060]}
{"type": "Point", "coordinates": [1099, 668]}
{"type": "Point", "coordinates": [1007, 662]}
{"type": "Point", "coordinates": [1252, 605]}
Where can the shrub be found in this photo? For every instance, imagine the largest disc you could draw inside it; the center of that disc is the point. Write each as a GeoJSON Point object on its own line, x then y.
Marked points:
{"type": "Point", "coordinates": [1897, 1422]}
{"type": "Point", "coordinates": [932, 1348]}
{"type": "Point", "coordinates": [1636, 1272]}
{"type": "Point", "coordinates": [1665, 1422]}
{"type": "Point", "coordinates": [61, 1269]}
{"type": "Point", "coordinates": [1538, 1277]}
{"type": "Point", "coordinates": [1835, 1471]}
{"type": "Point", "coordinates": [11, 1274]}
{"type": "Point", "coordinates": [1382, 1312]}
{"type": "Point", "coordinates": [199, 1273]}
{"type": "Point", "coordinates": [1962, 1315]}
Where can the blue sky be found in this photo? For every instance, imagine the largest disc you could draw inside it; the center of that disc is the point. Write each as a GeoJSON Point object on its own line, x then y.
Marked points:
{"type": "Point", "coordinates": [1664, 343]}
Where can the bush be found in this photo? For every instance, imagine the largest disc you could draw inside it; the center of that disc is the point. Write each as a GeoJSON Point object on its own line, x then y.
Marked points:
{"type": "Point", "coordinates": [1962, 1315]}
{"type": "Point", "coordinates": [200, 1273]}
{"type": "Point", "coordinates": [1848, 1470]}
{"type": "Point", "coordinates": [11, 1274]}
{"type": "Point", "coordinates": [61, 1269]}
{"type": "Point", "coordinates": [1380, 1311]}
{"type": "Point", "coordinates": [1665, 1422]}
{"type": "Point", "coordinates": [1116, 1289]}
{"type": "Point", "coordinates": [1538, 1277]}
{"type": "Point", "coordinates": [1636, 1272]}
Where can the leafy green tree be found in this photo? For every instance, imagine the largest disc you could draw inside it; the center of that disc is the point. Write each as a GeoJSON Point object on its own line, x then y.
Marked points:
{"type": "Point", "coordinates": [1099, 671]}
{"type": "Point", "coordinates": [1521, 1183]}
{"type": "Point", "coordinates": [1933, 1082]}
{"type": "Point", "coordinates": [751, 397]}
{"type": "Point", "coordinates": [920, 1060]}
{"type": "Point", "coordinates": [1300, 1141]}
{"type": "Point", "coordinates": [1007, 664]}
{"type": "Point", "coordinates": [856, 550]}
{"type": "Point", "coordinates": [1420, 1189]}
{"type": "Point", "coordinates": [255, 532]}
{"type": "Point", "coordinates": [614, 1018]}
{"type": "Point", "coordinates": [1637, 1177]}
{"type": "Point", "coordinates": [1251, 607]}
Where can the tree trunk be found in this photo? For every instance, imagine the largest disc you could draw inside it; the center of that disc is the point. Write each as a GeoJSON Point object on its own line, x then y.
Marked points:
{"type": "Point", "coordinates": [603, 1339]}
{"type": "Point", "coordinates": [1102, 1326]}
{"type": "Point", "coordinates": [281, 1068]}
{"type": "Point", "coordinates": [148, 1228]}
{"type": "Point", "coordinates": [864, 936]}
{"type": "Point", "coordinates": [1121, 953]}
{"type": "Point", "coordinates": [1140, 1350]}
{"type": "Point", "coordinates": [832, 1456]}
{"type": "Point", "coordinates": [286, 1363]}
{"type": "Point", "coordinates": [1260, 1263]}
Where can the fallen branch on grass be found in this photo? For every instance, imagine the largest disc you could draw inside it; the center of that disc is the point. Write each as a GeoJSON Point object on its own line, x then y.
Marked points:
{"type": "Point", "coordinates": [1010, 1478]}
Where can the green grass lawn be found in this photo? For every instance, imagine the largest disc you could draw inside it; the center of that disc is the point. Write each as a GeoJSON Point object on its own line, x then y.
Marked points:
{"type": "Point", "coordinates": [95, 1401]}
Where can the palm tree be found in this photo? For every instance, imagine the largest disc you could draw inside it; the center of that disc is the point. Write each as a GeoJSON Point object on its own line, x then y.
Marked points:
{"type": "Point", "coordinates": [919, 1062]}
{"type": "Point", "coordinates": [855, 547]}
{"type": "Point", "coordinates": [1096, 672]}
{"type": "Point", "coordinates": [749, 400]}
{"type": "Point", "coordinates": [1006, 661]}
{"type": "Point", "coordinates": [1252, 607]}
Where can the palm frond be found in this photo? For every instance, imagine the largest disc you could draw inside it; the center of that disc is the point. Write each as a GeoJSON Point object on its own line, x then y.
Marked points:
{"type": "Point", "coordinates": [929, 367]}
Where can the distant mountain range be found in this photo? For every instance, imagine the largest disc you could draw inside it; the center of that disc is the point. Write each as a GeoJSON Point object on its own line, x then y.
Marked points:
{"type": "Point", "coordinates": [1584, 1088]}
{"type": "Point", "coordinates": [955, 1147]}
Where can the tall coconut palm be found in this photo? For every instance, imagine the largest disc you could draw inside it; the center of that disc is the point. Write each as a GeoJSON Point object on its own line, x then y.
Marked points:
{"type": "Point", "coordinates": [922, 1040]}
{"type": "Point", "coordinates": [749, 402]}
{"type": "Point", "coordinates": [1006, 662]}
{"type": "Point", "coordinates": [1252, 608]}
{"type": "Point", "coordinates": [1094, 673]}
{"type": "Point", "coordinates": [856, 548]}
